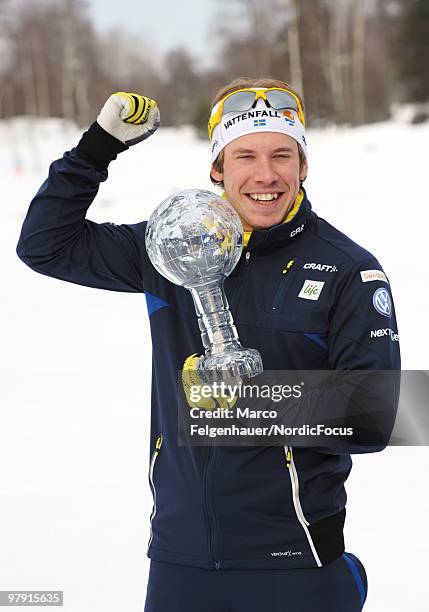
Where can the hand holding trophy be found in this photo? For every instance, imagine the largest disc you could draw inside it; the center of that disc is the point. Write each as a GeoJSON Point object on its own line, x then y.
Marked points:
{"type": "Point", "coordinates": [195, 238]}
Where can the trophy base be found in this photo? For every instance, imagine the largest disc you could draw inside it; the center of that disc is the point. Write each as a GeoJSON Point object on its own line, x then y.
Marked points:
{"type": "Point", "coordinates": [237, 363]}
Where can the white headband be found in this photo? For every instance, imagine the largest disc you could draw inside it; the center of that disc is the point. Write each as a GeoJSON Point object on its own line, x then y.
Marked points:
{"type": "Point", "coordinates": [258, 119]}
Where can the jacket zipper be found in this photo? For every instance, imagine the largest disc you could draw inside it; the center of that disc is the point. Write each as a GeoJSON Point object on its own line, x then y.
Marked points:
{"type": "Point", "coordinates": [152, 482]}
{"type": "Point", "coordinates": [211, 456]}
{"type": "Point", "coordinates": [283, 285]}
{"type": "Point", "coordinates": [211, 523]}
{"type": "Point", "coordinates": [290, 464]}
{"type": "Point", "coordinates": [295, 486]}
{"type": "Point", "coordinates": [235, 296]}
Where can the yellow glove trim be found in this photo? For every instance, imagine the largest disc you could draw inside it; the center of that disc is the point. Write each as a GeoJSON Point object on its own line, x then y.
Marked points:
{"type": "Point", "coordinates": [140, 107]}
{"type": "Point", "coordinates": [190, 378]}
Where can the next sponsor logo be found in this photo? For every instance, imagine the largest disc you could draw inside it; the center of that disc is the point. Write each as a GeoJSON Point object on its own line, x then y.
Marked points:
{"type": "Point", "coordinates": [380, 333]}
{"type": "Point", "coordinates": [320, 267]}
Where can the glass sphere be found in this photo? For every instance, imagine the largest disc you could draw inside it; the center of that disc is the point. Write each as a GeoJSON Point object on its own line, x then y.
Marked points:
{"type": "Point", "coordinates": [194, 237]}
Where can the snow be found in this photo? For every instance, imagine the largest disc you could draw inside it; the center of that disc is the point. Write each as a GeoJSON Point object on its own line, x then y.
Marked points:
{"type": "Point", "coordinates": [75, 500]}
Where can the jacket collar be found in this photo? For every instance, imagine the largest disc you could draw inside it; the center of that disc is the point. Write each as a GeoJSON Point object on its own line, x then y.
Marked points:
{"type": "Point", "coordinates": [283, 233]}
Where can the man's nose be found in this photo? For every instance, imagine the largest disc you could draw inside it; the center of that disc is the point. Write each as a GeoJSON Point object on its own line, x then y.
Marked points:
{"type": "Point", "coordinates": [264, 172]}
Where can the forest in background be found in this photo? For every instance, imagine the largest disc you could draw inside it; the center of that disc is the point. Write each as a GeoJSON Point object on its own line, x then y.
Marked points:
{"type": "Point", "coordinates": [351, 59]}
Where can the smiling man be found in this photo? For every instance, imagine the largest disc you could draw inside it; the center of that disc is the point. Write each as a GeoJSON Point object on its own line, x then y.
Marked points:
{"type": "Point", "coordinates": [263, 177]}
{"type": "Point", "coordinates": [264, 150]}
{"type": "Point", "coordinates": [238, 529]}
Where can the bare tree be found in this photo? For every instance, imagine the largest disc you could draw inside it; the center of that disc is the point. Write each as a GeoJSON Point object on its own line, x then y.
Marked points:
{"type": "Point", "coordinates": [180, 87]}
{"type": "Point", "coordinates": [26, 67]}
{"type": "Point", "coordinates": [40, 70]}
{"type": "Point", "coordinates": [338, 59]}
{"type": "Point", "coordinates": [67, 69]}
{"type": "Point", "coordinates": [294, 9]}
{"type": "Point", "coordinates": [358, 61]}
{"type": "Point", "coordinates": [5, 52]}
{"type": "Point", "coordinates": [248, 33]}
{"type": "Point", "coordinates": [315, 34]}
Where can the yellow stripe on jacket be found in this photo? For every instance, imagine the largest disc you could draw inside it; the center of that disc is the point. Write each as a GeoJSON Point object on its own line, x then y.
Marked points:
{"type": "Point", "coordinates": [289, 216]}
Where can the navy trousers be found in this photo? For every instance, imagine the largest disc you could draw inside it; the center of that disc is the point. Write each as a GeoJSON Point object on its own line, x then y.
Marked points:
{"type": "Point", "coordinates": [340, 586]}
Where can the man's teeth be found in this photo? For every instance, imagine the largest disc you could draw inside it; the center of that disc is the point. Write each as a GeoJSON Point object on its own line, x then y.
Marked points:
{"type": "Point", "coordinates": [264, 196]}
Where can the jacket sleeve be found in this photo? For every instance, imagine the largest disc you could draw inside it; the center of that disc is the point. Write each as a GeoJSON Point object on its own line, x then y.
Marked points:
{"type": "Point", "coordinates": [363, 332]}
{"type": "Point", "coordinates": [56, 238]}
{"type": "Point", "coordinates": [364, 355]}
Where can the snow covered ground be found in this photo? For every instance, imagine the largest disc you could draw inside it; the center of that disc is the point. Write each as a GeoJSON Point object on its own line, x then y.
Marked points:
{"type": "Point", "coordinates": [75, 370]}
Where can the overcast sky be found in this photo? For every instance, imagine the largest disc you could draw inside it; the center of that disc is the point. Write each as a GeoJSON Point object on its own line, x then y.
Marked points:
{"type": "Point", "coordinates": [166, 23]}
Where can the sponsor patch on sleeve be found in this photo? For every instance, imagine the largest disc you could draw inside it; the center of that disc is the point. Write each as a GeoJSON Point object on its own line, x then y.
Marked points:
{"type": "Point", "coordinates": [373, 275]}
{"type": "Point", "coordinates": [380, 333]}
{"type": "Point", "coordinates": [382, 302]}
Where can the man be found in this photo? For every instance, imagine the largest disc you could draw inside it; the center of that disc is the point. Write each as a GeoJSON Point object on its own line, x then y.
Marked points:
{"type": "Point", "coordinates": [243, 529]}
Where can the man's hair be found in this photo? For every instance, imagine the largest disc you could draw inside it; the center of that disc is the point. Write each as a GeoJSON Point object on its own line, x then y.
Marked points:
{"type": "Point", "coordinates": [242, 83]}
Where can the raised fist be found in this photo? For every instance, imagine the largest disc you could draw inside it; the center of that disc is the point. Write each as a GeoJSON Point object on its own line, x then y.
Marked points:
{"type": "Point", "coordinates": [129, 117]}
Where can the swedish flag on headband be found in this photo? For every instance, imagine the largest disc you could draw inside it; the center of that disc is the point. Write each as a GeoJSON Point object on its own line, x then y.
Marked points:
{"type": "Point", "coordinates": [259, 123]}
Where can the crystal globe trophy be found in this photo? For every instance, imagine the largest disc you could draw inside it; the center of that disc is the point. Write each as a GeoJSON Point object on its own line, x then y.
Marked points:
{"type": "Point", "coordinates": [195, 238]}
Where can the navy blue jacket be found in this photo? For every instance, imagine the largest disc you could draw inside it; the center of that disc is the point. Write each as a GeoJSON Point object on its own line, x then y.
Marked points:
{"type": "Point", "coordinates": [229, 507]}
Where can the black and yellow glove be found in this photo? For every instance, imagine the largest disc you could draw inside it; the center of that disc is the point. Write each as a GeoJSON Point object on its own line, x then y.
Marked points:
{"type": "Point", "coordinates": [192, 383]}
{"type": "Point", "coordinates": [124, 120]}
{"type": "Point", "coordinates": [129, 117]}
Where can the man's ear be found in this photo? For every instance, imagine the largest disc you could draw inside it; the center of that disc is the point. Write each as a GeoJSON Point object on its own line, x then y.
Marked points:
{"type": "Point", "coordinates": [216, 175]}
{"type": "Point", "coordinates": [303, 170]}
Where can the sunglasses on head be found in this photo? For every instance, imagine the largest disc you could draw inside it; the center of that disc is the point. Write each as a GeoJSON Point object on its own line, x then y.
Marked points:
{"type": "Point", "coordinates": [244, 99]}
